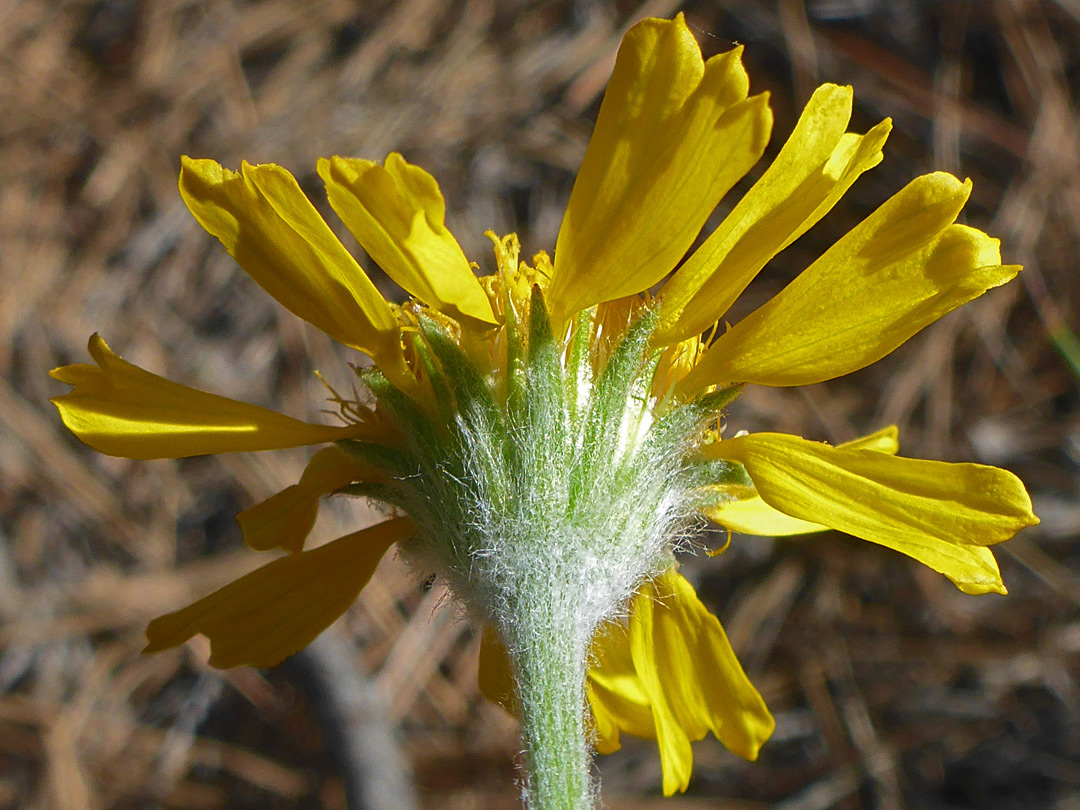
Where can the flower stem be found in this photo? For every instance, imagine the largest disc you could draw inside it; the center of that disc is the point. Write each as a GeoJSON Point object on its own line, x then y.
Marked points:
{"type": "Point", "coordinates": [550, 665]}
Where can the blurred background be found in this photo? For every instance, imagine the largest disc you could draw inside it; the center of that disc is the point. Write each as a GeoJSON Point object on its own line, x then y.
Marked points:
{"type": "Point", "coordinates": [891, 689]}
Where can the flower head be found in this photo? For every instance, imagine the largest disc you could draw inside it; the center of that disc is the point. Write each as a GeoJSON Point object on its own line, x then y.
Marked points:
{"type": "Point", "coordinates": [547, 436]}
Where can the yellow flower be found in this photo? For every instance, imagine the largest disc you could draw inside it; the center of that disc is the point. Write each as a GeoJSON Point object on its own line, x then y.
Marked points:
{"type": "Point", "coordinates": [465, 360]}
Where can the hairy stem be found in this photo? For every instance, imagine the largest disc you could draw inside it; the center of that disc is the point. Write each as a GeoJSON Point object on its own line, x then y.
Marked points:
{"type": "Point", "coordinates": [550, 664]}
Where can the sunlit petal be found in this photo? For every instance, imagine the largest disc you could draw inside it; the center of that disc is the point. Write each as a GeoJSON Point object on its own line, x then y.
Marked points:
{"type": "Point", "coordinates": [398, 215]}
{"type": "Point", "coordinates": [886, 440]}
{"type": "Point", "coordinates": [936, 512]}
{"type": "Point", "coordinates": [898, 271]}
{"type": "Point", "coordinates": [673, 676]}
{"type": "Point", "coordinates": [122, 410]}
{"type": "Point", "coordinates": [673, 135]}
{"type": "Point", "coordinates": [815, 167]}
{"type": "Point", "coordinates": [753, 516]}
{"type": "Point", "coordinates": [615, 692]}
{"type": "Point", "coordinates": [275, 234]}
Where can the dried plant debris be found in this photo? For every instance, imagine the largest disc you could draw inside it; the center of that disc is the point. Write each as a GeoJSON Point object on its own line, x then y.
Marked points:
{"type": "Point", "coordinates": [889, 689]}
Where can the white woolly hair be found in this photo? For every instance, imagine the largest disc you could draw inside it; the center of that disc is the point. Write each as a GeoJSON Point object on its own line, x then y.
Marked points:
{"type": "Point", "coordinates": [547, 509]}
{"type": "Point", "coordinates": [550, 501]}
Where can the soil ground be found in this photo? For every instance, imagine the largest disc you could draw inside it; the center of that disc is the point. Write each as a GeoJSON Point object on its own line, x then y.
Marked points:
{"type": "Point", "coordinates": [890, 688]}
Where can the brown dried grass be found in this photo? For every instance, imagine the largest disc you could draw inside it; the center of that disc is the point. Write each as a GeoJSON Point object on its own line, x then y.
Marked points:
{"type": "Point", "coordinates": [890, 688]}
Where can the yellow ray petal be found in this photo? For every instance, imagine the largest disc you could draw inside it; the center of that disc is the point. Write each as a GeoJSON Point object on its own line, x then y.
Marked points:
{"type": "Point", "coordinates": [815, 167]}
{"type": "Point", "coordinates": [275, 234]}
{"type": "Point", "coordinates": [753, 516]}
{"type": "Point", "coordinates": [691, 674]}
{"type": "Point", "coordinates": [673, 677]}
{"type": "Point", "coordinates": [495, 675]}
{"type": "Point", "coordinates": [285, 520]}
{"type": "Point", "coordinates": [672, 137]}
{"type": "Point", "coordinates": [886, 440]}
{"type": "Point", "coordinates": [898, 271]}
{"type": "Point", "coordinates": [121, 410]}
{"type": "Point", "coordinates": [935, 512]}
{"type": "Point", "coordinates": [276, 610]}
{"type": "Point", "coordinates": [615, 692]}
{"type": "Point", "coordinates": [398, 215]}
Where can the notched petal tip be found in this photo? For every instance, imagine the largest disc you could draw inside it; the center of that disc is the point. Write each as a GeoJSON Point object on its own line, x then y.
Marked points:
{"type": "Point", "coordinates": [204, 170]}
{"type": "Point", "coordinates": [397, 213]}
{"type": "Point", "coordinates": [815, 167]}
{"type": "Point", "coordinates": [674, 134]}
{"type": "Point", "coordinates": [266, 222]}
{"type": "Point", "coordinates": [122, 410]}
{"type": "Point", "coordinates": [901, 269]}
{"type": "Point", "coordinates": [943, 515]}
